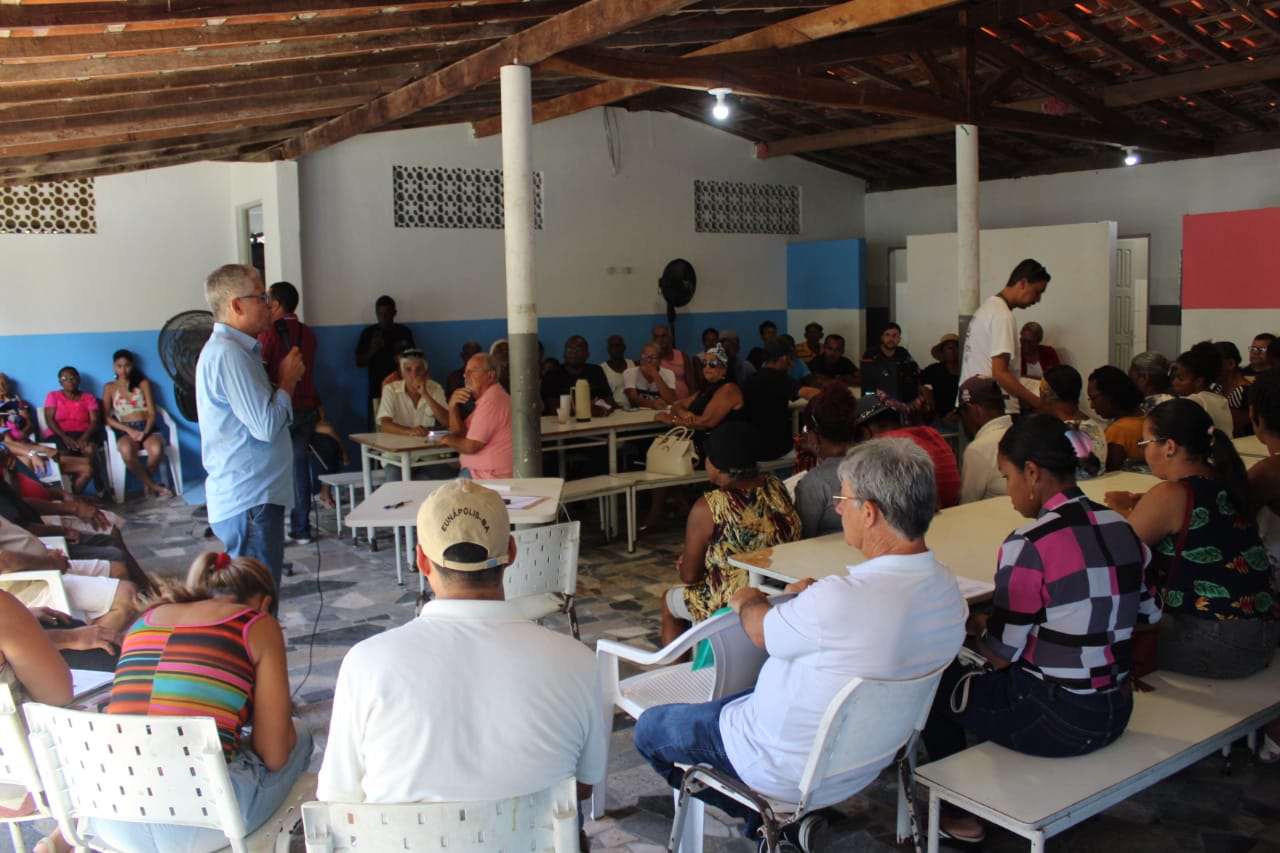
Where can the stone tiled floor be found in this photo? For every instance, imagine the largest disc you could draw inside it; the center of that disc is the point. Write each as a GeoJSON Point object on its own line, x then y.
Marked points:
{"type": "Point", "coordinates": [347, 593]}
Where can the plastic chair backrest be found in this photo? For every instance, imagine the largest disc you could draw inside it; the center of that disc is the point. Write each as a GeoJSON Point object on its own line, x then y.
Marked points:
{"type": "Point", "coordinates": [130, 767]}
{"type": "Point", "coordinates": [546, 561]}
{"type": "Point", "coordinates": [738, 659]}
{"type": "Point", "coordinates": [17, 766]}
{"type": "Point", "coordinates": [545, 821]}
{"type": "Point", "coordinates": [866, 724]}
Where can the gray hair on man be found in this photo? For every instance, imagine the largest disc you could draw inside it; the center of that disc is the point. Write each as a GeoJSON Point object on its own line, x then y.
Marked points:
{"type": "Point", "coordinates": [226, 283]}
{"type": "Point", "coordinates": [896, 475]}
{"type": "Point", "coordinates": [1150, 364]}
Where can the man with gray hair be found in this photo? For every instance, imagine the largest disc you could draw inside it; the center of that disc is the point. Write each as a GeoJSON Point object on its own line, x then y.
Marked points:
{"type": "Point", "coordinates": [470, 700]}
{"type": "Point", "coordinates": [896, 614]}
{"type": "Point", "coordinates": [244, 421]}
{"type": "Point", "coordinates": [1150, 372]}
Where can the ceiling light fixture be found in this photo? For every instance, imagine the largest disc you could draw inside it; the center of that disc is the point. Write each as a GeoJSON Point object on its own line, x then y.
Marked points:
{"type": "Point", "coordinates": [720, 111]}
{"type": "Point", "coordinates": [1131, 157]}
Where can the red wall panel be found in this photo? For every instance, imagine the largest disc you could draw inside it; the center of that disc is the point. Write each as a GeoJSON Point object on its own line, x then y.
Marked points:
{"type": "Point", "coordinates": [1231, 260]}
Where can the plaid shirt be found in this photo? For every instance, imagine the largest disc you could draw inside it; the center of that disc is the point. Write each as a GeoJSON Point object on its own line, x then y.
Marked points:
{"type": "Point", "coordinates": [1069, 588]}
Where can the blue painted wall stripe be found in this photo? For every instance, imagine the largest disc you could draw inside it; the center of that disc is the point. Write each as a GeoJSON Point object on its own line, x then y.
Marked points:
{"type": "Point", "coordinates": [33, 361]}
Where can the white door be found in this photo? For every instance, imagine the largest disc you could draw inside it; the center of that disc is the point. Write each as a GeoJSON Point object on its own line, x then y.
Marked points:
{"type": "Point", "coordinates": [1129, 301]}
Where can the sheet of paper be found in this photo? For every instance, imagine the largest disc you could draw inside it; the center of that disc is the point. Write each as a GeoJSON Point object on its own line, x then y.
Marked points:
{"type": "Point", "coordinates": [970, 588]}
{"type": "Point", "coordinates": [85, 681]}
{"type": "Point", "coordinates": [522, 501]}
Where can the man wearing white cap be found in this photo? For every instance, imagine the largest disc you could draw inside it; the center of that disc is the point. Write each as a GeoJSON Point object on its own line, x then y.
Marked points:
{"type": "Point", "coordinates": [470, 700]}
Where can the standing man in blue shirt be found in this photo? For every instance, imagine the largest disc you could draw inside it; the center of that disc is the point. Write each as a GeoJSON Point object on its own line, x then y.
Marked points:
{"type": "Point", "coordinates": [244, 421]}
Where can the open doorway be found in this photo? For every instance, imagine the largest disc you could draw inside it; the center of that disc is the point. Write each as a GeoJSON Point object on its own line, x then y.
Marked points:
{"type": "Point", "coordinates": [253, 249]}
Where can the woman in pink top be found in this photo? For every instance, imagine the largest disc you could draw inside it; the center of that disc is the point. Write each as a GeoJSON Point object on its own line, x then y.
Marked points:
{"type": "Point", "coordinates": [73, 418]}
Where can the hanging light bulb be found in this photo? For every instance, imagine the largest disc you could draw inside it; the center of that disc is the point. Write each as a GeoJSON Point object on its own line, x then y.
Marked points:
{"type": "Point", "coordinates": [1131, 157]}
{"type": "Point", "coordinates": [720, 111]}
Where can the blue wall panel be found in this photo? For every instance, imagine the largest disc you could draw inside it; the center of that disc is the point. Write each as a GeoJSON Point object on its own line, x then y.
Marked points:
{"type": "Point", "coordinates": [33, 361]}
{"type": "Point", "coordinates": [826, 274]}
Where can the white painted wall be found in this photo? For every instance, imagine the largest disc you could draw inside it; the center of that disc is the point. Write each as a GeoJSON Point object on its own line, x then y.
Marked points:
{"type": "Point", "coordinates": [1237, 326]}
{"type": "Point", "coordinates": [594, 219]}
{"type": "Point", "coordinates": [1075, 311]}
{"type": "Point", "coordinates": [159, 233]}
{"type": "Point", "coordinates": [1145, 199]}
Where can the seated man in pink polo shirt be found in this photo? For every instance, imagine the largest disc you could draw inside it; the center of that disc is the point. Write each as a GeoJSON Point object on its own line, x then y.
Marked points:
{"type": "Point", "coordinates": [482, 438]}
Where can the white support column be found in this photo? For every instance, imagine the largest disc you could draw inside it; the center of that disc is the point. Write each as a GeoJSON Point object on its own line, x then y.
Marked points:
{"type": "Point", "coordinates": [522, 309]}
{"type": "Point", "coordinates": [967, 265]}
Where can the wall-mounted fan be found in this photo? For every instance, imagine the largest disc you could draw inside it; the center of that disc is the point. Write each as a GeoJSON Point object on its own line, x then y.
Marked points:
{"type": "Point", "coordinates": [181, 340]}
{"type": "Point", "coordinates": [678, 284]}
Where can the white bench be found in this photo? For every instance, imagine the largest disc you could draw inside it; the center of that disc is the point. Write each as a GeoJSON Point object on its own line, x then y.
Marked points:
{"type": "Point", "coordinates": [1182, 721]}
{"type": "Point", "coordinates": [350, 480]}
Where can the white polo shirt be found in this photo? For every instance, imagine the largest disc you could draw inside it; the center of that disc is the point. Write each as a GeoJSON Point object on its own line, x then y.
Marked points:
{"type": "Point", "coordinates": [469, 701]}
{"type": "Point", "coordinates": [893, 617]}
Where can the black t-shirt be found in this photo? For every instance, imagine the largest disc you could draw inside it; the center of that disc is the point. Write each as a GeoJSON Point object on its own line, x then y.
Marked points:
{"type": "Point", "coordinates": [946, 385]}
{"type": "Point", "coordinates": [383, 361]}
{"type": "Point", "coordinates": [559, 380]}
{"type": "Point", "coordinates": [842, 367]}
{"type": "Point", "coordinates": [897, 377]}
{"type": "Point", "coordinates": [767, 393]}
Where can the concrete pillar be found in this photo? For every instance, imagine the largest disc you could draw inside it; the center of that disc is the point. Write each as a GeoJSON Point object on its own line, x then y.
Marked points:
{"type": "Point", "coordinates": [522, 309]}
{"type": "Point", "coordinates": [967, 222]}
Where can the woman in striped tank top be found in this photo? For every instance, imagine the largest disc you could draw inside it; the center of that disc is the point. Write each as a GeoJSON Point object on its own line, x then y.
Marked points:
{"type": "Point", "coordinates": [212, 649]}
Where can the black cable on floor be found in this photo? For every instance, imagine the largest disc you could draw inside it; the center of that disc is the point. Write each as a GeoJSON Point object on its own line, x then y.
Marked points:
{"type": "Point", "coordinates": [315, 623]}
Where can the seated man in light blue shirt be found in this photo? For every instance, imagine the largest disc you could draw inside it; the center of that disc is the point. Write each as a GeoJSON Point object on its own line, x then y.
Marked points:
{"type": "Point", "coordinates": [244, 422]}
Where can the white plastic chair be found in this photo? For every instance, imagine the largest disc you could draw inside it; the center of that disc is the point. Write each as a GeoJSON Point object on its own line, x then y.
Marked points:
{"type": "Point", "coordinates": [148, 769]}
{"type": "Point", "coordinates": [39, 588]}
{"type": "Point", "coordinates": [737, 663]}
{"type": "Point", "coordinates": [18, 767]}
{"type": "Point", "coordinates": [867, 724]}
{"type": "Point", "coordinates": [544, 577]}
{"type": "Point", "coordinates": [117, 472]}
{"type": "Point", "coordinates": [545, 821]}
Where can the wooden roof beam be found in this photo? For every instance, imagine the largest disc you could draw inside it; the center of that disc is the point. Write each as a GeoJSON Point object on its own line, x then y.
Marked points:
{"type": "Point", "coordinates": [132, 42]}
{"type": "Point", "coordinates": [584, 24]}
{"type": "Point", "coordinates": [752, 81]}
{"type": "Point", "coordinates": [27, 144]}
{"type": "Point", "coordinates": [228, 58]}
{"type": "Point", "coordinates": [60, 19]}
{"type": "Point", "coordinates": [845, 17]}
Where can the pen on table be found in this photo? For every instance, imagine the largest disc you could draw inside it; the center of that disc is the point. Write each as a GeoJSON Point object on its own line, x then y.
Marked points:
{"type": "Point", "coordinates": [396, 505]}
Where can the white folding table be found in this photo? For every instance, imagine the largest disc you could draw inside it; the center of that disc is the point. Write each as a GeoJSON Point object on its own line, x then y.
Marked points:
{"type": "Point", "coordinates": [965, 538]}
{"type": "Point", "coordinates": [395, 505]}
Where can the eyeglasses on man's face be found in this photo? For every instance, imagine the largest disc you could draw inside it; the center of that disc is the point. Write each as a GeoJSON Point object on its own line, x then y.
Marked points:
{"type": "Point", "coordinates": [263, 297]}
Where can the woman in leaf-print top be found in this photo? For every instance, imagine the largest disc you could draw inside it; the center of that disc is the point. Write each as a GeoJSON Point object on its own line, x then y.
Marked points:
{"type": "Point", "coordinates": [1220, 609]}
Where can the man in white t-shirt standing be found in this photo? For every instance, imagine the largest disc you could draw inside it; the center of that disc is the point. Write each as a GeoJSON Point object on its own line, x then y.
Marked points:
{"type": "Point", "coordinates": [991, 344]}
{"type": "Point", "coordinates": [470, 700]}
{"type": "Point", "coordinates": [897, 615]}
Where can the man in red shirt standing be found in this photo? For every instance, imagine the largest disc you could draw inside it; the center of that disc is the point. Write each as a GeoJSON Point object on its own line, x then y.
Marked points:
{"type": "Point", "coordinates": [288, 331]}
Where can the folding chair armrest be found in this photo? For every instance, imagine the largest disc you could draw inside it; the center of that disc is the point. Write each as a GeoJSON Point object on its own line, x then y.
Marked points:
{"type": "Point", "coordinates": [699, 777]}
{"type": "Point", "coordinates": [672, 650]}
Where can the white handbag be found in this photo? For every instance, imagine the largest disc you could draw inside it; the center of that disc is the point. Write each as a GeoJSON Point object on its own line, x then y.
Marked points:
{"type": "Point", "coordinates": [672, 453]}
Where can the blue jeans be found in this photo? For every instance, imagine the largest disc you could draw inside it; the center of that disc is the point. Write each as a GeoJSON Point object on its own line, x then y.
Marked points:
{"type": "Point", "coordinates": [667, 735]}
{"type": "Point", "coordinates": [1015, 709]}
{"type": "Point", "coordinates": [257, 532]}
{"type": "Point", "coordinates": [259, 792]}
{"type": "Point", "coordinates": [304, 424]}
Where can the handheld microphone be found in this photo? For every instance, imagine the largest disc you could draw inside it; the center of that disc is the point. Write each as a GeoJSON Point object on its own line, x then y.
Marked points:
{"type": "Point", "coordinates": [282, 329]}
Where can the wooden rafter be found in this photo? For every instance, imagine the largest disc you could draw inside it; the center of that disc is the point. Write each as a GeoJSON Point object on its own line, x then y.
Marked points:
{"type": "Point", "coordinates": [581, 25]}
{"type": "Point", "coordinates": [813, 26]}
